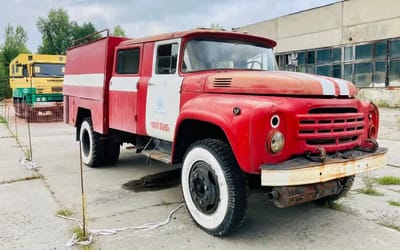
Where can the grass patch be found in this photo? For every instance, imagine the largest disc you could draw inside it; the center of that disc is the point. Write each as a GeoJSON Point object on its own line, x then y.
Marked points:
{"type": "Point", "coordinates": [65, 212]}
{"type": "Point", "coordinates": [370, 191]}
{"type": "Point", "coordinates": [3, 120]}
{"type": "Point", "coordinates": [335, 205]}
{"type": "Point", "coordinates": [79, 234]}
{"type": "Point", "coordinates": [388, 180]}
{"type": "Point", "coordinates": [369, 187]}
{"type": "Point", "coordinates": [394, 203]}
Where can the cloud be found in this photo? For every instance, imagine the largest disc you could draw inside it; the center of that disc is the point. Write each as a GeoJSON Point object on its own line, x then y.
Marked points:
{"type": "Point", "coordinates": [145, 17]}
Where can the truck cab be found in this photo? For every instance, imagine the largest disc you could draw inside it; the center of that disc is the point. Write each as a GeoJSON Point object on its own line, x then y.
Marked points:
{"type": "Point", "coordinates": [37, 82]}
{"type": "Point", "coordinates": [215, 102]}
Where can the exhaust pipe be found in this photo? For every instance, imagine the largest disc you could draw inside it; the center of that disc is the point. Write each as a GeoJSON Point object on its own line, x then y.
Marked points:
{"type": "Point", "coordinates": [293, 195]}
{"type": "Point", "coordinates": [273, 195]}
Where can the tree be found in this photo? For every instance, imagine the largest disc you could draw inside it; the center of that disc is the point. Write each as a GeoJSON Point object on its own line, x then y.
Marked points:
{"type": "Point", "coordinates": [118, 31]}
{"type": "Point", "coordinates": [80, 32]}
{"type": "Point", "coordinates": [14, 44]}
{"type": "Point", "coordinates": [56, 32]}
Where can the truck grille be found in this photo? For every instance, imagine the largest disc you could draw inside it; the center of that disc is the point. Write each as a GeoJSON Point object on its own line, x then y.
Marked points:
{"type": "Point", "coordinates": [330, 126]}
{"type": "Point", "coordinates": [56, 89]}
{"type": "Point", "coordinates": [222, 82]}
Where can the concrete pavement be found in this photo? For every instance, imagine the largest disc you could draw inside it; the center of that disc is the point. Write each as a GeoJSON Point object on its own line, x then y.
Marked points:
{"type": "Point", "coordinates": [361, 221]}
{"type": "Point", "coordinates": [27, 208]}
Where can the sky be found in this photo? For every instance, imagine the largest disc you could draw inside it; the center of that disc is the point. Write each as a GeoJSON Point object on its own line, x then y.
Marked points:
{"type": "Point", "coordinates": [140, 18]}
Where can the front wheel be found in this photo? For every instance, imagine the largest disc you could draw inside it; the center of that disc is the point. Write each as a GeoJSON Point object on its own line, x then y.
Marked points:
{"type": "Point", "coordinates": [213, 186]}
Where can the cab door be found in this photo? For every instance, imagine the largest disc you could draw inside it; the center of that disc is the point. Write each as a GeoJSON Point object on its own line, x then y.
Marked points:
{"type": "Point", "coordinates": [163, 92]}
{"type": "Point", "coordinates": [123, 89]}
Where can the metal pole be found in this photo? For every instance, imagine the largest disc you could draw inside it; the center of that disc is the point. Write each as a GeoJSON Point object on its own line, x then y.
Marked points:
{"type": "Point", "coordinates": [8, 115]}
{"type": "Point", "coordinates": [15, 123]}
{"type": "Point", "coordinates": [82, 192]}
{"type": "Point", "coordinates": [28, 115]}
{"type": "Point", "coordinates": [29, 137]}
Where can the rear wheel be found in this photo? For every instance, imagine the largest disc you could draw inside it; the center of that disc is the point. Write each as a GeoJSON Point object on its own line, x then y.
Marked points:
{"type": "Point", "coordinates": [213, 186]}
{"type": "Point", "coordinates": [92, 148]}
{"type": "Point", "coordinates": [111, 153]}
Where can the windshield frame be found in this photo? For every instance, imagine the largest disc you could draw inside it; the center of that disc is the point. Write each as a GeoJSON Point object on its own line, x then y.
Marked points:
{"type": "Point", "coordinates": [47, 75]}
{"type": "Point", "coordinates": [230, 40]}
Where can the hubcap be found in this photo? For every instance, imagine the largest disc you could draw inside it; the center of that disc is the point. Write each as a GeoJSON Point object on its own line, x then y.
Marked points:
{"type": "Point", "coordinates": [203, 184]}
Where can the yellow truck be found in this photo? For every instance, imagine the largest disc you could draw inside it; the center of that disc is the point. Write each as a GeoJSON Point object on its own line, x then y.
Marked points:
{"type": "Point", "coordinates": [37, 81]}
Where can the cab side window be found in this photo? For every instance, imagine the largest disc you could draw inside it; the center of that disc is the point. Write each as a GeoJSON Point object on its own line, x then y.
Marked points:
{"type": "Point", "coordinates": [166, 58]}
{"type": "Point", "coordinates": [128, 61]}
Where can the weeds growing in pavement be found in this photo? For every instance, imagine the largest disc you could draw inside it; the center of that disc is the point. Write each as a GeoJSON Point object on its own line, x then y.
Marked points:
{"type": "Point", "coordinates": [369, 187]}
{"type": "Point", "coordinates": [65, 212]}
{"type": "Point", "coordinates": [394, 203]}
{"type": "Point", "coordinates": [388, 180]}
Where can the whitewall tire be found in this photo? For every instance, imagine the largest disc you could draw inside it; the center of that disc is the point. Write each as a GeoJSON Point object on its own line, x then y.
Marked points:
{"type": "Point", "coordinates": [213, 186]}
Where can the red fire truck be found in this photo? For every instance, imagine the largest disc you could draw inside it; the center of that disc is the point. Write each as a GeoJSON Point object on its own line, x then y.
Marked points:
{"type": "Point", "coordinates": [215, 102]}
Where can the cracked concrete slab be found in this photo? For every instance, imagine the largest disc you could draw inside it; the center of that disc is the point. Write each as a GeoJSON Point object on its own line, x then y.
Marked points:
{"type": "Point", "coordinates": [10, 155]}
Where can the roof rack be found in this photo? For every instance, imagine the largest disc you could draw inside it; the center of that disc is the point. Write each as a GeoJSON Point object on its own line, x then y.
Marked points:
{"type": "Point", "coordinates": [91, 38]}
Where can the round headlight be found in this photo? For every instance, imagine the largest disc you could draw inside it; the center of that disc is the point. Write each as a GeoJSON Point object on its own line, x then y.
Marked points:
{"type": "Point", "coordinates": [276, 142]}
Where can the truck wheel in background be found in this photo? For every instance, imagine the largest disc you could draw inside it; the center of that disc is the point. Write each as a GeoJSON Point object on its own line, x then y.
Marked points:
{"type": "Point", "coordinates": [214, 187]}
{"type": "Point", "coordinates": [111, 153]}
{"type": "Point", "coordinates": [91, 145]}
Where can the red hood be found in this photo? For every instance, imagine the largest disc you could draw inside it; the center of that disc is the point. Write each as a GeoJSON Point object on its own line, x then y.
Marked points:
{"type": "Point", "coordinates": [278, 83]}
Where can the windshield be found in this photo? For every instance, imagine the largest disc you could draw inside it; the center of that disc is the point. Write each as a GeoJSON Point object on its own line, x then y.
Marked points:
{"type": "Point", "coordinates": [209, 54]}
{"type": "Point", "coordinates": [48, 70]}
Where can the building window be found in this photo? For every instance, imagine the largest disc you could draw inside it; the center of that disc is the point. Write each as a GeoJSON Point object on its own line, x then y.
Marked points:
{"type": "Point", "coordinates": [348, 53]}
{"type": "Point", "coordinates": [310, 57]}
{"type": "Point", "coordinates": [363, 52]}
{"type": "Point", "coordinates": [337, 54]}
{"type": "Point", "coordinates": [324, 70]}
{"type": "Point", "coordinates": [348, 72]}
{"type": "Point", "coordinates": [323, 56]}
{"type": "Point", "coordinates": [381, 50]}
{"type": "Point", "coordinates": [394, 73]}
{"type": "Point", "coordinates": [301, 58]}
{"type": "Point", "coordinates": [337, 70]}
{"type": "Point", "coordinates": [373, 64]}
{"type": "Point", "coordinates": [395, 48]}
{"type": "Point", "coordinates": [394, 63]}
{"type": "Point", "coordinates": [379, 76]}
{"type": "Point", "coordinates": [363, 74]}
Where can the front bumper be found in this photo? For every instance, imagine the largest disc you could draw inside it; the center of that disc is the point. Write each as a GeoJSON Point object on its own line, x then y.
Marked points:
{"type": "Point", "coordinates": [300, 170]}
{"type": "Point", "coordinates": [38, 105]}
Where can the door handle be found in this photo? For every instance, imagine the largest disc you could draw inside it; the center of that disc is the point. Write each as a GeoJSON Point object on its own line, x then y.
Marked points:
{"type": "Point", "coordinates": [151, 84]}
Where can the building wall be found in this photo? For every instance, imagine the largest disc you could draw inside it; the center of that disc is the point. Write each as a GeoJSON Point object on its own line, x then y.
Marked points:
{"type": "Point", "coordinates": [365, 34]}
{"type": "Point", "coordinates": [345, 22]}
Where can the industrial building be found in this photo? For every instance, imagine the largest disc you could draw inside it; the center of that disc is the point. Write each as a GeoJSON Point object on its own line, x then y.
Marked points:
{"type": "Point", "coordinates": [358, 40]}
